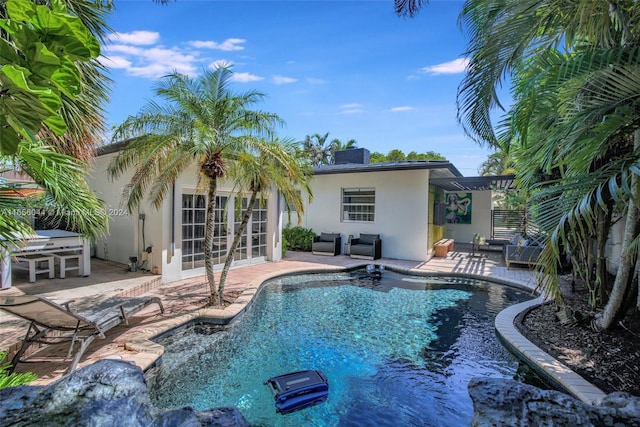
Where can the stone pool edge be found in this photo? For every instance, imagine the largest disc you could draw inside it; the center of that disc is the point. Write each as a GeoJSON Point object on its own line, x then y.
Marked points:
{"type": "Point", "coordinates": [148, 353]}
{"type": "Point", "coordinates": [542, 362]}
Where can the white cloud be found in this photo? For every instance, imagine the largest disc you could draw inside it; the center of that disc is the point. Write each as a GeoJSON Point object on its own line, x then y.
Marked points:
{"type": "Point", "coordinates": [403, 108]}
{"type": "Point", "coordinates": [452, 67]}
{"type": "Point", "coordinates": [140, 53]}
{"type": "Point", "coordinates": [282, 80]}
{"type": "Point", "coordinates": [353, 108]}
{"type": "Point", "coordinates": [245, 77]}
{"type": "Point", "coordinates": [136, 37]}
{"type": "Point", "coordinates": [227, 45]}
{"type": "Point", "coordinates": [350, 106]}
{"type": "Point", "coordinates": [151, 62]}
{"type": "Point", "coordinates": [115, 62]}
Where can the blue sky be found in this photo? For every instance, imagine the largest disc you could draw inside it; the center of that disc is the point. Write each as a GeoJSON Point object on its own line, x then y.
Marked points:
{"type": "Point", "coordinates": [354, 69]}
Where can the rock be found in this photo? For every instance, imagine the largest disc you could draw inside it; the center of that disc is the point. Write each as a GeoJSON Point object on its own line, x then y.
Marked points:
{"type": "Point", "coordinates": [502, 402]}
{"type": "Point", "coordinates": [106, 393]}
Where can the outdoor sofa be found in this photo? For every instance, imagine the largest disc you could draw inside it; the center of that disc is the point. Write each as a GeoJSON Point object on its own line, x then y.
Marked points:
{"type": "Point", "coordinates": [367, 246]}
{"type": "Point", "coordinates": [326, 244]}
{"type": "Point", "coordinates": [523, 250]}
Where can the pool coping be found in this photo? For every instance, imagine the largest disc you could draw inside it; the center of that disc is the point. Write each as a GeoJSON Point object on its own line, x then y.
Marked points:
{"type": "Point", "coordinates": [147, 354]}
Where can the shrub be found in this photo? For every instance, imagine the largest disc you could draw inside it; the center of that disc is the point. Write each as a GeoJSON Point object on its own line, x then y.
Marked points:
{"type": "Point", "coordinates": [297, 239]}
{"type": "Point", "coordinates": [13, 379]}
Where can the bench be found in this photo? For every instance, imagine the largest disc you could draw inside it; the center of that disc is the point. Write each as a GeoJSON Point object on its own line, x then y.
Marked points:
{"type": "Point", "coordinates": [33, 260]}
{"type": "Point", "coordinates": [62, 258]}
{"type": "Point", "coordinates": [443, 246]}
{"type": "Point", "coordinates": [60, 254]}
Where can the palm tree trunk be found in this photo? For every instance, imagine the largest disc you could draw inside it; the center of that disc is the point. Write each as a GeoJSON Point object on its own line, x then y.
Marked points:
{"type": "Point", "coordinates": [208, 242]}
{"type": "Point", "coordinates": [603, 228]}
{"type": "Point", "coordinates": [234, 245]}
{"type": "Point", "coordinates": [615, 303]}
{"type": "Point", "coordinates": [637, 275]}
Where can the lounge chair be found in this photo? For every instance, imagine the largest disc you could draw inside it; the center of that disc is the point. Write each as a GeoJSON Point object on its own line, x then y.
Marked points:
{"type": "Point", "coordinates": [52, 323]}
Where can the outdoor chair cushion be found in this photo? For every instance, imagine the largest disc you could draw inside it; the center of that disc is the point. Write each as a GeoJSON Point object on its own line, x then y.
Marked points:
{"type": "Point", "coordinates": [368, 239]}
{"type": "Point", "coordinates": [329, 237]}
{"type": "Point", "coordinates": [323, 246]}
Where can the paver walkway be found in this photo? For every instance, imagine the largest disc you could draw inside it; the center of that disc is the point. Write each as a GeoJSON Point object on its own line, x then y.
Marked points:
{"type": "Point", "coordinates": [184, 300]}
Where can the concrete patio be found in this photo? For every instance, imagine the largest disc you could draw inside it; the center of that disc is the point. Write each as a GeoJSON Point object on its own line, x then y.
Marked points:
{"type": "Point", "coordinates": [185, 300]}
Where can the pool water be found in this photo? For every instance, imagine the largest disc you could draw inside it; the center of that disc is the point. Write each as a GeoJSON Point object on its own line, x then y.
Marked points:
{"type": "Point", "coordinates": [398, 351]}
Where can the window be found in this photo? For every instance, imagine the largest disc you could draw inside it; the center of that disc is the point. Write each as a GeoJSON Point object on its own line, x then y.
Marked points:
{"type": "Point", "coordinates": [358, 204]}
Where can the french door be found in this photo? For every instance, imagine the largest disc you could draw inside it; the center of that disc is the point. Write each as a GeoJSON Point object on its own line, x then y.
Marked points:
{"type": "Point", "coordinates": [252, 246]}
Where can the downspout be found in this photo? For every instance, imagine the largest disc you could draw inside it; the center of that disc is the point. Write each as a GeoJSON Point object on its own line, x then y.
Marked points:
{"type": "Point", "coordinates": [172, 247]}
{"type": "Point", "coordinates": [278, 217]}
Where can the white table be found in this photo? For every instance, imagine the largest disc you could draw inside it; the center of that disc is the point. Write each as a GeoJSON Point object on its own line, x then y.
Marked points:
{"type": "Point", "coordinates": [48, 241]}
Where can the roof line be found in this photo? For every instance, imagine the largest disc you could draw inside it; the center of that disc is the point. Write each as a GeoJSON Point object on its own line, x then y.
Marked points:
{"type": "Point", "coordinates": [385, 167]}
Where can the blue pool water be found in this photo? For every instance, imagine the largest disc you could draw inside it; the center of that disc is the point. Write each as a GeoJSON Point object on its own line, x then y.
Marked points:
{"type": "Point", "coordinates": [397, 351]}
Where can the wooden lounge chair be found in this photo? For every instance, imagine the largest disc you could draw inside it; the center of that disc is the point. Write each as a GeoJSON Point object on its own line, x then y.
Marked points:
{"type": "Point", "coordinates": [52, 323]}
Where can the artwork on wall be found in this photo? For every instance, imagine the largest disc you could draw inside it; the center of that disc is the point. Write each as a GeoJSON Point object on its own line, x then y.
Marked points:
{"type": "Point", "coordinates": [458, 208]}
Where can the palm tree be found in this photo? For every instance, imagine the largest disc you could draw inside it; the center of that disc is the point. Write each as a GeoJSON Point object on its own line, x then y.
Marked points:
{"type": "Point", "coordinates": [338, 145]}
{"type": "Point", "coordinates": [318, 152]}
{"type": "Point", "coordinates": [202, 122]}
{"type": "Point", "coordinates": [272, 167]}
{"type": "Point", "coordinates": [574, 123]}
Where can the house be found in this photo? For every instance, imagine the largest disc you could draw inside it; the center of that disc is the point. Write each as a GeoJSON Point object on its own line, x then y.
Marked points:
{"type": "Point", "coordinates": [411, 204]}
{"type": "Point", "coordinates": [171, 238]}
{"type": "Point", "coordinates": [404, 202]}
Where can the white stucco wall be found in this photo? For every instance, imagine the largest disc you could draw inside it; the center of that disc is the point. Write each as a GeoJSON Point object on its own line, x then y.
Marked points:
{"type": "Point", "coordinates": [121, 242]}
{"type": "Point", "coordinates": [480, 219]}
{"type": "Point", "coordinates": [125, 231]}
{"type": "Point", "coordinates": [401, 211]}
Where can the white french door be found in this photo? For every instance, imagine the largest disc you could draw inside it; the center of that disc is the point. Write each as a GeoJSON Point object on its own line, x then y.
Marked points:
{"type": "Point", "coordinates": [252, 246]}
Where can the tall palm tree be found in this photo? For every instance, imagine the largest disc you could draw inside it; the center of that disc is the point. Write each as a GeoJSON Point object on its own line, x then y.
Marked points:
{"type": "Point", "coordinates": [319, 153]}
{"type": "Point", "coordinates": [274, 167]}
{"type": "Point", "coordinates": [201, 122]}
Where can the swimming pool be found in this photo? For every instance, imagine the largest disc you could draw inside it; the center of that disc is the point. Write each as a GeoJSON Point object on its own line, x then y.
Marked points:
{"type": "Point", "coordinates": [398, 350]}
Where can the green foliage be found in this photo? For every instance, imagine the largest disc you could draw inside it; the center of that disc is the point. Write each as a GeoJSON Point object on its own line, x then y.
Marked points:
{"type": "Point", "coordinates": [13, 379]}
{"type": "Point", "coordinates": [37, 66]}
{"type": "Point", "coordinates": [297, 239]}
{"type": "Point", "coordinates": [377, 157]}
{"type": "Point", "coordinates": [397, 155]}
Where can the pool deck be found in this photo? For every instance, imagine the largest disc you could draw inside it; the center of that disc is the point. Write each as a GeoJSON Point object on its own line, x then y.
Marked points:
{"type": "Point", "coordinates": [184, 302]}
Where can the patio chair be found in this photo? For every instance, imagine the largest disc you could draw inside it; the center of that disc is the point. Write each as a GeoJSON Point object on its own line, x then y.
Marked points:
{"type": "Point", "coordinates": [367, 246]}
{"type": "Point", "coordinates": [52, 323]}
{"type": "Point", "coordinates": [326, 244]}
